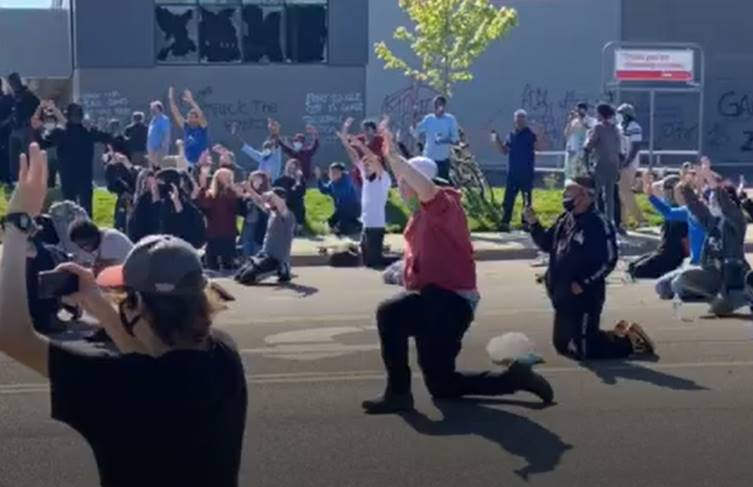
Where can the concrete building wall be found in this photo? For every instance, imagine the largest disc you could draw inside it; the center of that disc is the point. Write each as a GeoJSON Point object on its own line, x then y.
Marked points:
{"type": "Point", "coordinates": [723, 30]}
{"type": "Point", "coordinates": [545, 65]}
{"type": "Point", "coordinates": [35, 43]}
{"type": "Point", "coordinates": [248, 95]}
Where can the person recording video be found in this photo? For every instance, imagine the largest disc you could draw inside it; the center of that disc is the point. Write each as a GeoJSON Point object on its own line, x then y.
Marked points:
{"type": "Point", "coordinates": [173, 388]}
{"type": "Point", "coordinates": [165, 207]}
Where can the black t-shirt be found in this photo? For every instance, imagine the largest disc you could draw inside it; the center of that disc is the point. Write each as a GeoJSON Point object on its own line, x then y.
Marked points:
{"type": "Point", "coordinates": [176, 420]}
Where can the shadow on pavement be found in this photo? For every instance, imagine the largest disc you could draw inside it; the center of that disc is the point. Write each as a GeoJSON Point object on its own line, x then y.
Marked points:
{"type": "Point", "coordinates": [610, 372]}
{"type": "Point", "coordinates": [302, 290]}
{"type": "Point", "coordinates": [540, 448]}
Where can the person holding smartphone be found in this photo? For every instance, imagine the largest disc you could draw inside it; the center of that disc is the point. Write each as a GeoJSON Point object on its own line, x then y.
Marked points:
{"type": "Point", "coordinates": [169, 408]}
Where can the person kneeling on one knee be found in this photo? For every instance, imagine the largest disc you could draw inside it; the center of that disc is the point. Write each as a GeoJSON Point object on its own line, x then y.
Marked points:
{"type": "Point", "coordinates": [582, 253]}
{"type": "Point", "coordinates": [440, 298]}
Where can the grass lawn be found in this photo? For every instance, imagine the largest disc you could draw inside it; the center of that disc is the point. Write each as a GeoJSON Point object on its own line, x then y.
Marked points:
{"type": "Point", "coordinates": [547, 202]}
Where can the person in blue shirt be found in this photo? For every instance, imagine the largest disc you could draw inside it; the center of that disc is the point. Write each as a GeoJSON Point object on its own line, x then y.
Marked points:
{"type": "Point", "coordinates": [520, 145]}
{"type": "Point", "coordinates": [158, 136]}
{"type": "Point", "coordinates": [194, 126]}
{"type": "Point", "coordinates": [344, 221]}
{"type": "Point", "coordinates": [440, 131]}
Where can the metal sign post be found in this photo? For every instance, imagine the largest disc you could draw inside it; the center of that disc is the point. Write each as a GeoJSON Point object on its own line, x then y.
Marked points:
{"type": "Point", "coordinates": [655, 68]}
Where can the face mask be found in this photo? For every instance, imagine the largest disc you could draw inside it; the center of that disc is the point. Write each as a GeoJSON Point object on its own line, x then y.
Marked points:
{"type": "Point", "coordinates": [297, 146]}
{"type": "Point", "coordinates": [49, 126]}
{"type": "Point", "coordinates": [568, 204]}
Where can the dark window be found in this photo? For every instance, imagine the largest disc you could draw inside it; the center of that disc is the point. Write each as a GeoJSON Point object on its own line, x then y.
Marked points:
{"type": "Point", "coordinates": [250, 31]}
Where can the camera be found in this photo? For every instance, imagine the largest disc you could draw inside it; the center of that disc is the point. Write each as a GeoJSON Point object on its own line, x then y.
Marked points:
{"type": "Point", "coordinates": [164, 189]}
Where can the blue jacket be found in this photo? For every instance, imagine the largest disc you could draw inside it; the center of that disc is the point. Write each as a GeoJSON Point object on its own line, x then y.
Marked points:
{"type": "Point", "coordinates": [696, 232]}
{"type": "Point", "coordinates": [343, 192]}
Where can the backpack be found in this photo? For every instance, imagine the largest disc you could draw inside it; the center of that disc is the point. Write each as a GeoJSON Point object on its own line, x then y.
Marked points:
{"type": "Point", "coordinates": [63, 214]}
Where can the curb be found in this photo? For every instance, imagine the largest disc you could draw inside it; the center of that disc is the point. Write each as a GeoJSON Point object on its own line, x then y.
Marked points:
{"type": "Point", "coordinates": [491, 255]}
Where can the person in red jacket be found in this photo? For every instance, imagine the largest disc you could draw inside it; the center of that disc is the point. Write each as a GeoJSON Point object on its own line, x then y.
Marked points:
{"type": "Point", "coordinates": [221, 204]}
{"type": "Point", "coordinates": [440, 299]}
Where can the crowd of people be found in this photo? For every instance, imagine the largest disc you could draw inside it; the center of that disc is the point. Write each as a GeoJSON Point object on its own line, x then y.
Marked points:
{"type": "Point", "coordinates": [181, 384]}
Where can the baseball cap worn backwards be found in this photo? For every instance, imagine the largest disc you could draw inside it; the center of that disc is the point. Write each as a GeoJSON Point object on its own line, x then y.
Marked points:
{"type": "Point", "coordinates": [161, 265]}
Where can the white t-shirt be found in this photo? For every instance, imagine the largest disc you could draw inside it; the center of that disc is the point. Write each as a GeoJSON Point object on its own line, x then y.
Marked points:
{"type": "Point", "coordinates": [631, 134]}
{"type": "Point", "coordinates": [374, 195]}
{"type": "Point", "coordinates": [113, 250]}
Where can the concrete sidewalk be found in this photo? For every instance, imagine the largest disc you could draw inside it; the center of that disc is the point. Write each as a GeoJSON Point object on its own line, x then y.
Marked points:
{"type": "Point", "coordinates": [314, 251]}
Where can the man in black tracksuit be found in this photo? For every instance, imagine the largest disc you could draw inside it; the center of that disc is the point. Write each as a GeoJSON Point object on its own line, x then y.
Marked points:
{"type": "Point", "coordinates": [75, 149]}
{"type": "Point", "coordinates": [582, 253]}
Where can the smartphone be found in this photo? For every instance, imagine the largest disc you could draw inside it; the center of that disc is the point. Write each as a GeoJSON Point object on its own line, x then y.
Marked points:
{"type": "Point", "coordinates": [56, 284]}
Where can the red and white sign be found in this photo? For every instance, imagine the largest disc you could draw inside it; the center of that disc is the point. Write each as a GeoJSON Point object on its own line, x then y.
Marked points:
{"type": "Point", "coordinates": [654, 65]}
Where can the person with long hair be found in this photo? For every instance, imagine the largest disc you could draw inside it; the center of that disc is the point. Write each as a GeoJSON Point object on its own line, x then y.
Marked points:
{"type": "Point", "coordinates": [220, 202]}
{"type": "Point", "coordinates": [255, 216]}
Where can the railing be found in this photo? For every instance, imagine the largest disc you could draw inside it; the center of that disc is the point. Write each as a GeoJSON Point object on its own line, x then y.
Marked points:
{"type": "Point", "coordinates": [554, 161]}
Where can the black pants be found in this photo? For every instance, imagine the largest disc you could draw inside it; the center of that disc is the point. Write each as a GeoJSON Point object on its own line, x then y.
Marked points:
{"type": "Point", "coordinates": [437, 319]}
{"type": "Point", "coordinates": [121, 212]}
{"type": "Point", "coordinates": [372, 247]}
{"type": "Point", "coordinates": [443, 169]}
{"type": "Point", "coordinates": [80, 192]}
{"type": "Point", "coordinates": [220, 253]}
{"type": "Point", "coordinates": [654, 265]}
{"type": "Point", "coordinates": [577, 333]}
{"type": "Point", "coordinates": [514, 186]}
{"type": "Point", "coordinates": [344, 221]}
{"type": "Point", "coordinates": [261, 267]}
{"type": "Point", "coordinates": [18, 144]}
{"type": "Point", "coordinates": [4, 156]}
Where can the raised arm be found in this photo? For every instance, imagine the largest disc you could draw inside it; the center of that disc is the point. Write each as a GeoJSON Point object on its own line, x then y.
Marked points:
{"type": "Point", "coordinates": [502, 147]}
{"type": "Point", "coordinates": [188, 98]}
{"type": "Point", "coordinates": [424, 187]}
{"type": "Point", "coordinates": [698, 208]}
{"type": "Point", "coordinates": [178, 118]}
{"type": "Point", "coordinates": [17, 336]}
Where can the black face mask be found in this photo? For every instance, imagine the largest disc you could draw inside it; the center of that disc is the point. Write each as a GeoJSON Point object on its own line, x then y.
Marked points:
{"type": "Point", "coordinates": [568, 204]}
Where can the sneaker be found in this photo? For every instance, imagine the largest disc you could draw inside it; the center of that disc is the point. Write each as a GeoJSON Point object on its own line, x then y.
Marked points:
{"type": "Point", "coordinates": [525, 379]}
{"type": "Point", "coordinates": [389, 404]}
{"type": "Point", "coordinates": [621, 328]}
{"type": "Point", "coordinates": [642, 343]}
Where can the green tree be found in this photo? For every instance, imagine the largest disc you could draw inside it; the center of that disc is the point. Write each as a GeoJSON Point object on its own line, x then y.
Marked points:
{"type": "Point", "coordinates": [447, 37]}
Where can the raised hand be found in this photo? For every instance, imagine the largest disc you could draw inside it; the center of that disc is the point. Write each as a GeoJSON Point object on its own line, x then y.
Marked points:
{"type": "Point", "coordinates": [347, 124]}
{"type": "Point", "coordinates": [31, 189]}
{"type": "Point", "coordinates": [234, 128]}
{"type": "Point", "coordinates": [188, 97]}
{"type": "Point", "coordinates": [171, 93]}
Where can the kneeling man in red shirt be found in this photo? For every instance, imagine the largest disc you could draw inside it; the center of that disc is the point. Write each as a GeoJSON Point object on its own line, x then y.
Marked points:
{"type": "Point", "coordinates": [440, 299]}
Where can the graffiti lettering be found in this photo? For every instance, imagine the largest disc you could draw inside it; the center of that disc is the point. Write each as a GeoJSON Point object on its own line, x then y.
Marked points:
{"type": "Point", "coordinates": [734, 105]}
{"type": "Point", "coordinates": [748, 144]}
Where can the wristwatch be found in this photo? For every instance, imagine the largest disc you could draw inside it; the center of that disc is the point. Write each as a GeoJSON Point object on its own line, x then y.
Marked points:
{"type": "Point", "coordinates": [22, 221]}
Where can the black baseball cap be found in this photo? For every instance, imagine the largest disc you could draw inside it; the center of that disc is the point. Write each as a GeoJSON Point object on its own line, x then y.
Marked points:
{"type": "Point", "coordinates": [159, 264]}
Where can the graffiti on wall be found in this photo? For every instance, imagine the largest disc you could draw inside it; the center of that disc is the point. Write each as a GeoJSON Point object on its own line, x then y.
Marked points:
{"type": "Point", "coordinates": [407, 106]}
{"type": "Point", "coordinates": [327, 111]}
{"type": "Point", "coordinates": [102, 106]}
{"type": "Point", "coordinates": [735, 111]}
{"type": "Point", "coordinates": [249, 114]}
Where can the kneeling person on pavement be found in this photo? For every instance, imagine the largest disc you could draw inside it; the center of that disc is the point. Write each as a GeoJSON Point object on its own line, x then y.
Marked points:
{"type": "Point", "coordinates": [439, 303]}
{"type": "Point", "coordinates": [582, 253]}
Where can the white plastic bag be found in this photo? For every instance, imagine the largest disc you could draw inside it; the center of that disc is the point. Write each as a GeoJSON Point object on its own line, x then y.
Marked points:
{"type": "Point", "coordinates": [513, 347]}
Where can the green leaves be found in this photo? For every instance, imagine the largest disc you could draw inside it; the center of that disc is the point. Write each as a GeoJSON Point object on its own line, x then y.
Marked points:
{"type": "Point", "coordinates": [447, 37]}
